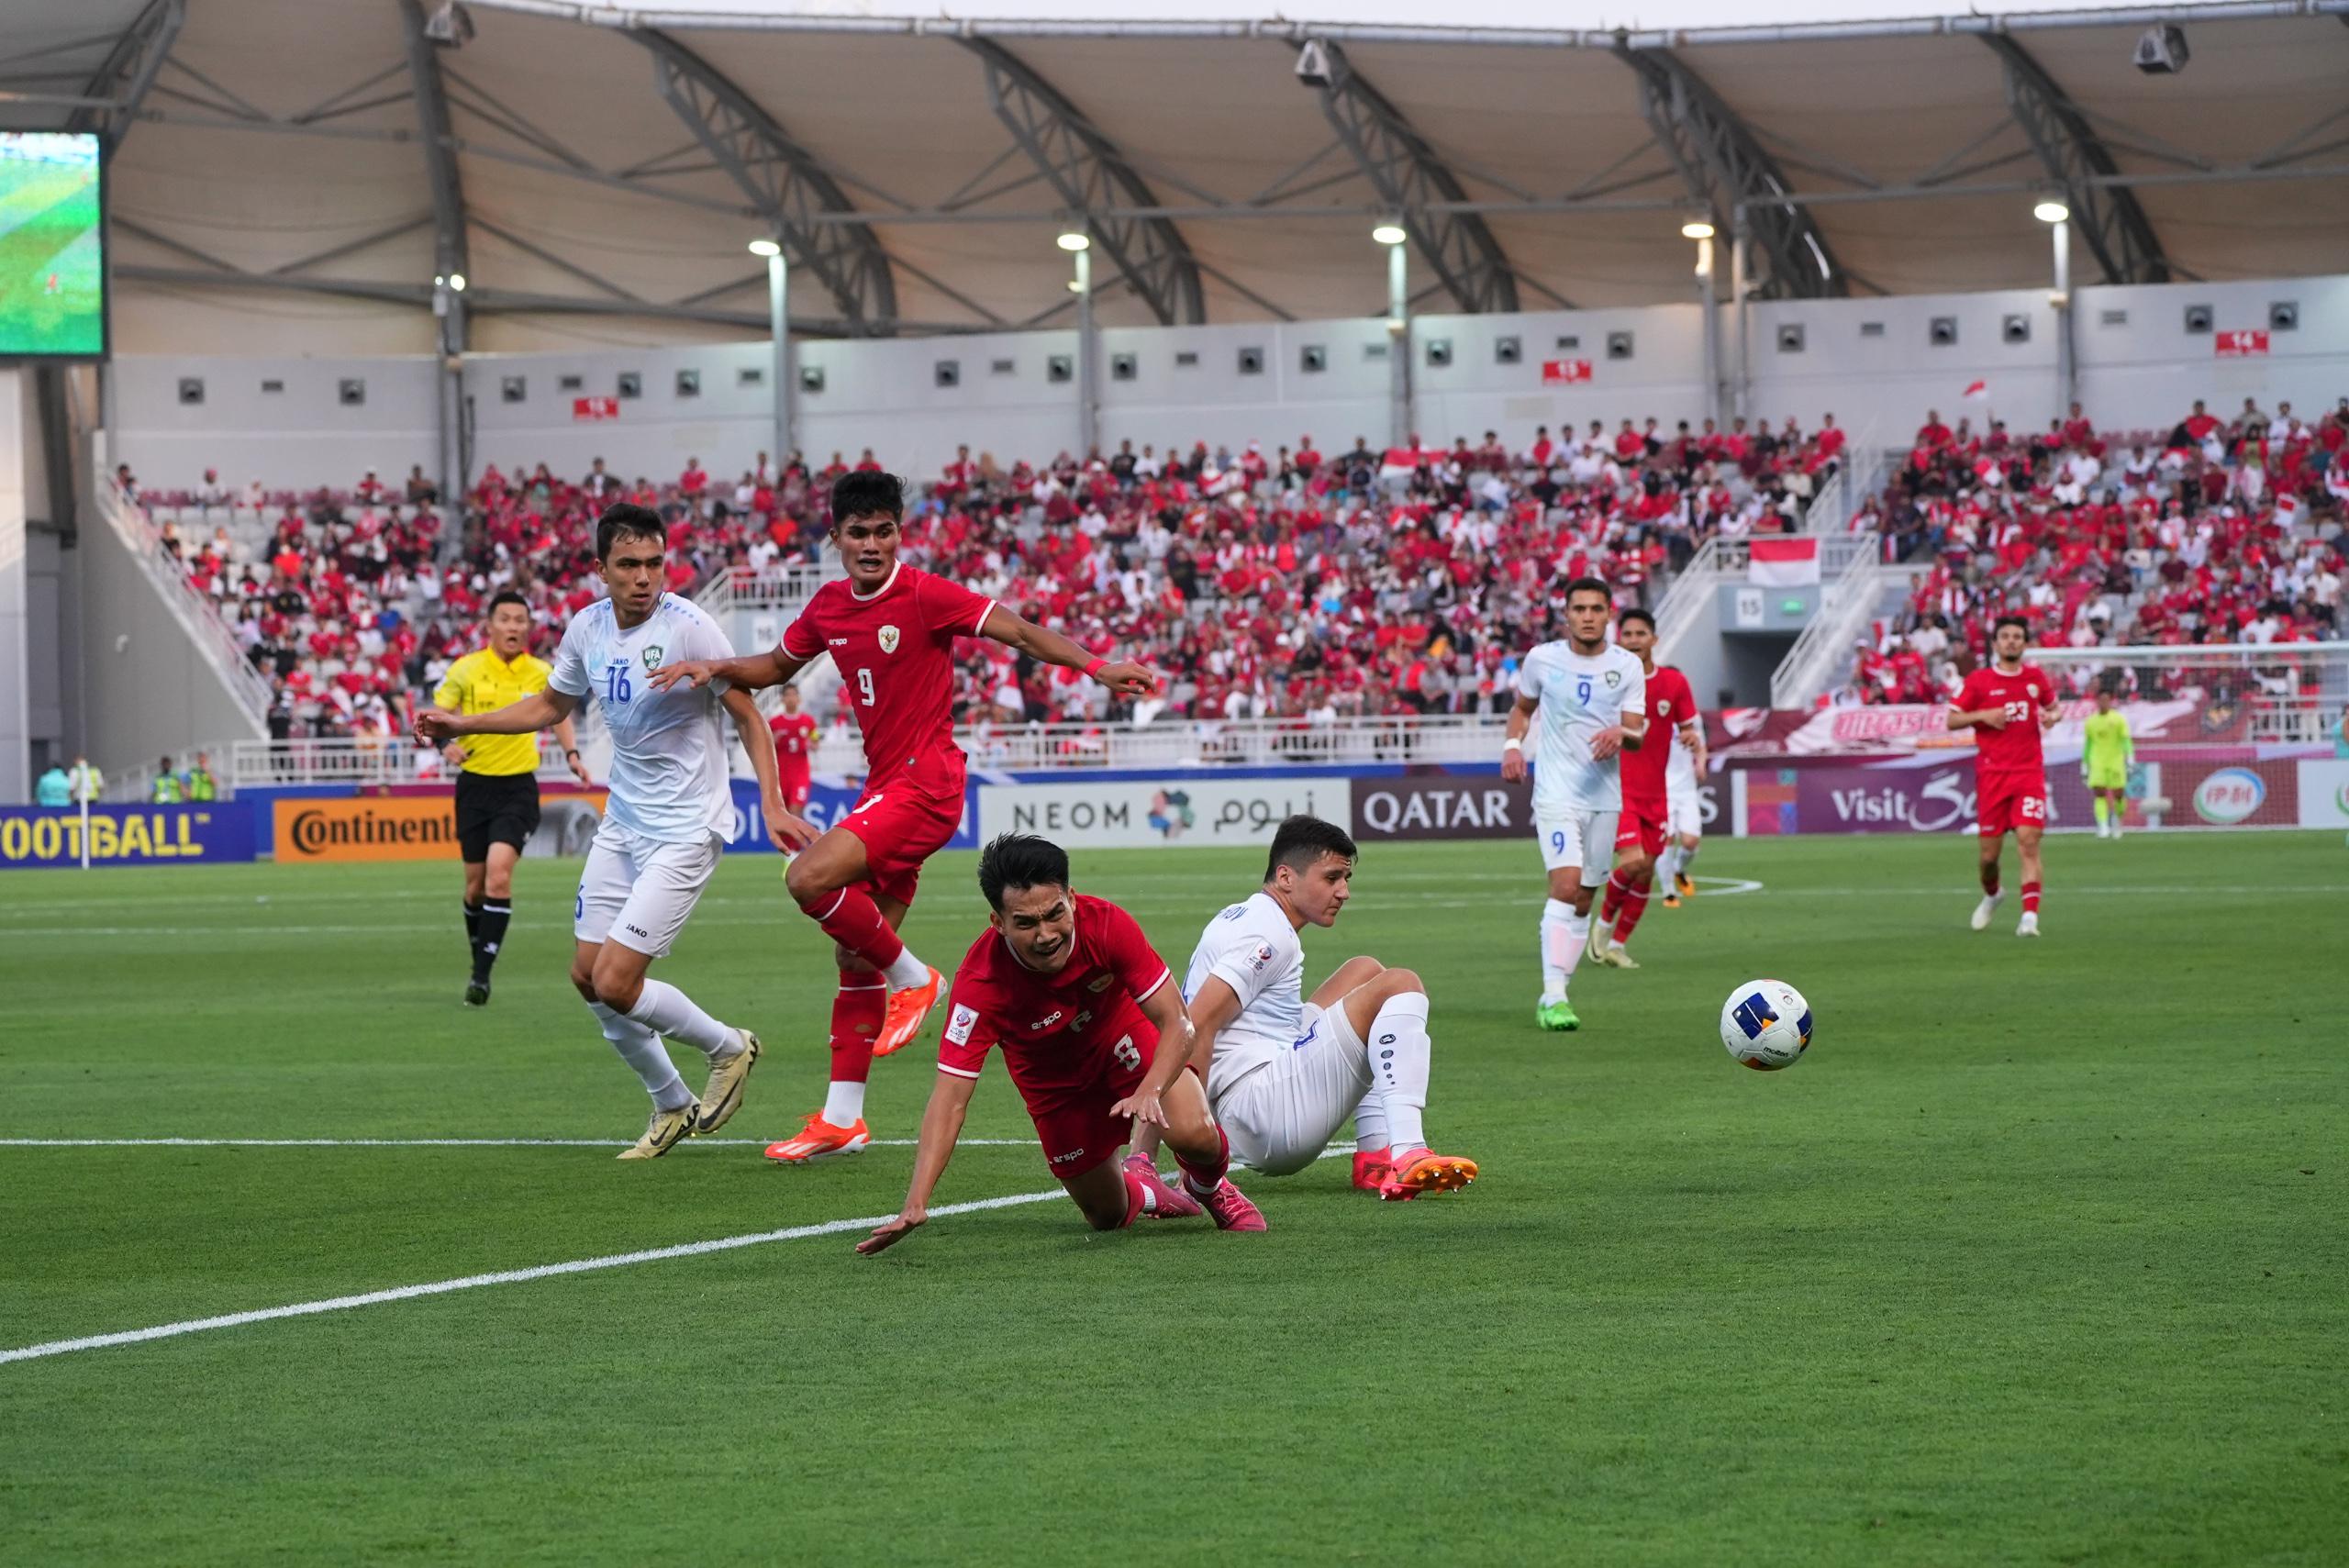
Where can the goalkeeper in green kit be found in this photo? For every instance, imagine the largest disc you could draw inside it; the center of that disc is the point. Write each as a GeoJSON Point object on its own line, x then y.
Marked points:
{"type": "Point", "coordinates": [2106, 752]}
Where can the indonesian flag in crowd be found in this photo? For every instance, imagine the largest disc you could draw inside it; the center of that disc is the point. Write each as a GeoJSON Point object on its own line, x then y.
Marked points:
{"type": "Point", "coordinates": [1978, 392]}
{"type": "Point", "coordinates": [1785, 563]}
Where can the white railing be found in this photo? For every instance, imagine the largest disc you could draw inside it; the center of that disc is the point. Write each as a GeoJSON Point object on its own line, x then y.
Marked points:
{"type": "Point", "coordinates": [196, 615]}
{"type": "Point", "coordinates": [777, 588]}
{"type": "Point", "coordinates": [1830, 511]}
{"type": "Point", "coordinates": [1684, 603]}
{"type": "Point", "coordinates": [1174, 745]}
{"type": "Point", "coordinates": [1854, 583]}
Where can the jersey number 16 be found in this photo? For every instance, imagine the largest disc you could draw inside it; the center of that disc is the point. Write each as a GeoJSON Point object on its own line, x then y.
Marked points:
{"type": "Point", "coordinates": [616, 687]}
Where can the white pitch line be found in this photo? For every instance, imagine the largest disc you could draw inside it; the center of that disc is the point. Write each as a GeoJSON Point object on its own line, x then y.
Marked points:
{"type": "Point", "coordinates": [524, 1276]}
{"type": "Point", "coordinates": [448, 1142]}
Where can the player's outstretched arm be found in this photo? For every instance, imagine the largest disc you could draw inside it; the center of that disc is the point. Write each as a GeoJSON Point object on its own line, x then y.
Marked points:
{"type": "Point", "coordinates": [751, 672]}
{"type": "Point", "coordinates": [540, 710]}
{"type": "Point", "coordinates": [1176, 1037]}
{"type": "Point", "coordinates": [1520, 720]}
{"type": "Point", "coordinates": [1122, 676]}
{"type": "Point", "coordinates": [566, 735]}
{"type": "Point", "coordinates": [942, 1124]}
{"type": "Point", "coordinates": [784, 832]}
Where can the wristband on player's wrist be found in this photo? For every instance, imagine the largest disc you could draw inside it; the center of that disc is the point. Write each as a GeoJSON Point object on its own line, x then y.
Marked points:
{"type": "Point", "coordinates": [571, 750]}
{"type": "Point", "coordinates": [1093, 667]}
{"type": "Point", "coordinates": [1512, 744]}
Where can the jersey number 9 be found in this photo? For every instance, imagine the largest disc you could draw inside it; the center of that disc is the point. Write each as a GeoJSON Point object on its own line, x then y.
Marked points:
{"type": "Point", "coordinates": [1582, 691]}
{"type": "Point", "coordinates": [864, 684]}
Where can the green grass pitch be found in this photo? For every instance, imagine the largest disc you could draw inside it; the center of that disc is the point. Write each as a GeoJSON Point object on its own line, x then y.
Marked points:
{"type": "Point", "coordinates": [2039, 1258]}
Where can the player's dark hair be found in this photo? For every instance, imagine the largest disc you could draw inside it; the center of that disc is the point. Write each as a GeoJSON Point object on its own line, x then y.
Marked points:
{"type": "Point", "coordinates": [1021, 860]}
{"type": "Point", "coordinates": [1301, 841]}
{"type": "Point", "coordinates": [867, 494]}
{"type": "Point", "coordinates": [2004, 621]}
{"type": "Point", "coordinates": [1628, 616]}
{"type": "Point", "coordinates": [625, 519]}
{"type": "Point", "coordinates": [504, 597]}
{"type": "Point", "coordinates": [1593, 584]}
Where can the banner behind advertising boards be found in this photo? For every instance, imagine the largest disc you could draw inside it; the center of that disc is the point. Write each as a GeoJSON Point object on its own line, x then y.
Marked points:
{"type": "Point", "coordinates": [1187, 810]}
{"type": "Point", "coordinates": [216, 832]}
{"type": "Point", "coordinates": [415, 827]}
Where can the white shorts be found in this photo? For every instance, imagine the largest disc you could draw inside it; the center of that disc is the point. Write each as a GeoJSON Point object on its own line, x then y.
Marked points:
{"type": "Point", "coordinates": [638, 891]}
{"type": "Point", "coordinates": [1281, 1116]}
{"type": "Point", "coordinates": [1684, 813]}
{"type": "Point", "coordinates": [1585, 839]}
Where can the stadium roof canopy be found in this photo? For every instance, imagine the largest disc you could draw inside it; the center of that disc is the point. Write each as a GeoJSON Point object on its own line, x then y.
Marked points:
{"type": "Point", "coordinates": [289, 168]}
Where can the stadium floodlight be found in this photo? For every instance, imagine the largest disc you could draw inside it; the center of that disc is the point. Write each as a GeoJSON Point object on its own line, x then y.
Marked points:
{"type": "Point", "coordinates": [766, 248]}
{"type": "Point", "coordinates": [456, 283]}
{"type": "Point", "coordinates": [1696, 228]}
{"type": "Point", "coordinates": [2052, 211]}
{"type": "Point", "coordinates": [1075, 239]}
{"type": "Point", "coordinates": [1389, 234]}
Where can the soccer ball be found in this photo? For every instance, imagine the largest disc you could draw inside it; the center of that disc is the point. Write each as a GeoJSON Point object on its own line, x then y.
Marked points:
{"type": "Point", "coordinates": [1767, 1024]}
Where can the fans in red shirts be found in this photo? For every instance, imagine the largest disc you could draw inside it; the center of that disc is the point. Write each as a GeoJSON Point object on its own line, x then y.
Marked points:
{"type": "Point", "coordinates": [795, 742]}
{"type": "Point", "coordinates": [890, 628]}
{"type": "Point", "coordinates": [1641, 833]}
{"type": "Point", "coordinates": [1079, 1001]}
{"type": "Point", "coordinates": [2007, 704]}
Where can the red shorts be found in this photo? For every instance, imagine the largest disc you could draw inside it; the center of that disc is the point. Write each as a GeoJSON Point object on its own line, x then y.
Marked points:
{"type": "Point", "coordinates": [2008, 801]}
{"type": "Point", "coordinates": [901, 825]}
{"type": "Point", "coordinates": [795, 792]}
{"type": "Point", "coordinates": [1074, 1124]}
{"type": "Point", "coordinates": [1634, 829]}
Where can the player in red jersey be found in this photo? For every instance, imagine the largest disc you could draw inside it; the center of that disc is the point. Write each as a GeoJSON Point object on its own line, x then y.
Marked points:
{"type": "Point", "coordinates": [794, 744]}
{"type": "Point", "coordinates": [890, 628]}
{"type": "Point", "coordinates": [1645, 829]}
{"type": "Point", "coordinates": [2007, 704]}
{"type": "Point", "coordinates": [1079, 999]}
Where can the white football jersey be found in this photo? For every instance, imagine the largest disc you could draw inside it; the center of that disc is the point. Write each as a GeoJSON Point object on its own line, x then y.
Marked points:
{"type": "Point", "coordinates": [1679, 766]}
{"type": "Point", "coordinates": [669, 771]}
{"type": "Point", "coordinates": [1252, 949]}
{"type": "Point", "coordinates": [1580, 695]}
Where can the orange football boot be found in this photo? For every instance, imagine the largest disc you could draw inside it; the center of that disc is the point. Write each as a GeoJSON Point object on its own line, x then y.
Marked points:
{"type": "Point", "coordinates": [819, 1140]}
{"type": "Point", "coordinates": [1370, 1169]}
{"type": "Point", "coordinates": [1423, 1171]}
{"type": "Point", "coordinates": [908, 1010]}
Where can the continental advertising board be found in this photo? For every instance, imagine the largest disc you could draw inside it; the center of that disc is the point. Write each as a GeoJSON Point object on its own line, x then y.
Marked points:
{"type": "Point", "coordinates": [215, 833]}
{"type": "Point", "coordinates": [315, 831]}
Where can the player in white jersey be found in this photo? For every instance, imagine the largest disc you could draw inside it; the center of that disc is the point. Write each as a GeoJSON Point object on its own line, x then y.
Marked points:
{"type": "Point", "coordinates": [1684, 819]}
{"type": "Point", "coordinates": [1284, 1073]}
{"type": "Point", "coordinates": [665, 822]}
{"type": "Point", "coordinates": [1590, 698]}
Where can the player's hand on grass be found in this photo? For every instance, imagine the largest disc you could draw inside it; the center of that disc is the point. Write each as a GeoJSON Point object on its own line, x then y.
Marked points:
{"type": "Point", "coordinates": [1607, 743]}
{"type": "Point", "coordinates": [1129, 679]}
{"type": "Point", "coordinates": [696, 673]}
{"type": "Point", "coordinates": [1513, 765]}
{"type": "Point", "coordinates": [887, 1235]}
{"type": "Point", "coordinates": [435, 727]}
{"type": "Point", "coordinates": [788, 833]}
{"type": "Point", "coordinates": [1143, 1107]}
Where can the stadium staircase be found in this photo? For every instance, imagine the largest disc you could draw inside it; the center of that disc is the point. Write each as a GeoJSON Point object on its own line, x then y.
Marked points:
{"type": "Point", "coordinates": [1859, 589]}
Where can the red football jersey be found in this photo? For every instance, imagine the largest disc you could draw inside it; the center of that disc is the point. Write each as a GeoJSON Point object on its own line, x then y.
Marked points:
{"type": "Point", "coordinates": [1670, 705]}
{"type": "Point", "coordinates": [794, 737]}
{"type": "Point", "coordinates": [895, 653]}
{"type": "Point", "coordinates": [1055, 1029]}
{"type": "Point", "coordinates": [2014, 748]}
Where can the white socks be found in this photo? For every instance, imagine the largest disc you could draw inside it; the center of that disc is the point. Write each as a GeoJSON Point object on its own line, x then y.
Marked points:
{"type": "Point", "coordinates": [1665, 865]}
{"type": "Point", "coordinates": [843, 1102]}
{"type": "Point", "coordinates": [1398, 1067]}
{"type": "Point", "coordinates": [1562, 935]}
{"type": "Point", "coordinates": [909, 970]}
{"type": "Point", "coordinates": [1370, 1121]}
{"type": "Point", "coordinates": [641, 1048]}
{"type": "Point", "coordinates": [666, 1010]}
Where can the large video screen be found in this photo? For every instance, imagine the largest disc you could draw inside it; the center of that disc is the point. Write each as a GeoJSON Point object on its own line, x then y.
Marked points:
{"type": "Point", "coordinates": [52, 234]}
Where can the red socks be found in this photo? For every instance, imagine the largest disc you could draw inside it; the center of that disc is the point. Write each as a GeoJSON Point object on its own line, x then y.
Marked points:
{"type": "Point", "coordinates": [1138, 1197]}
{"type": "Point", "coordinates": [1610, 900]}
{"type": "Point", "coordinates": [858, 1008]}
{"type": "Point", "coordinates": [2030, 898]}
{"type": "Point", "coordinates": [1633, 904]}
{"type": "Point", "coordinates": [850, 918]}
{"type": "Point", "coordinates": [1201, 1180]}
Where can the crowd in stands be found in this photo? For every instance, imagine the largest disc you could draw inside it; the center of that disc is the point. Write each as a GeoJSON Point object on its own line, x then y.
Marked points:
{"type": "Point", "coordinates": [2211, 531]}
{"type": "Point", "coordinates": [1311, 584]}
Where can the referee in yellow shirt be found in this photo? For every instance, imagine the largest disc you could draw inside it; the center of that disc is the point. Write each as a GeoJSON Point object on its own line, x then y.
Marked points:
{"type": "Point", "coordinates": [498, 793]}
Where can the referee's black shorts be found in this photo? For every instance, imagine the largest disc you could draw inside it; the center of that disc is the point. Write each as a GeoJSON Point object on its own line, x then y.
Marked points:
{"type": "Point", "coordinates": [495, 809]}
